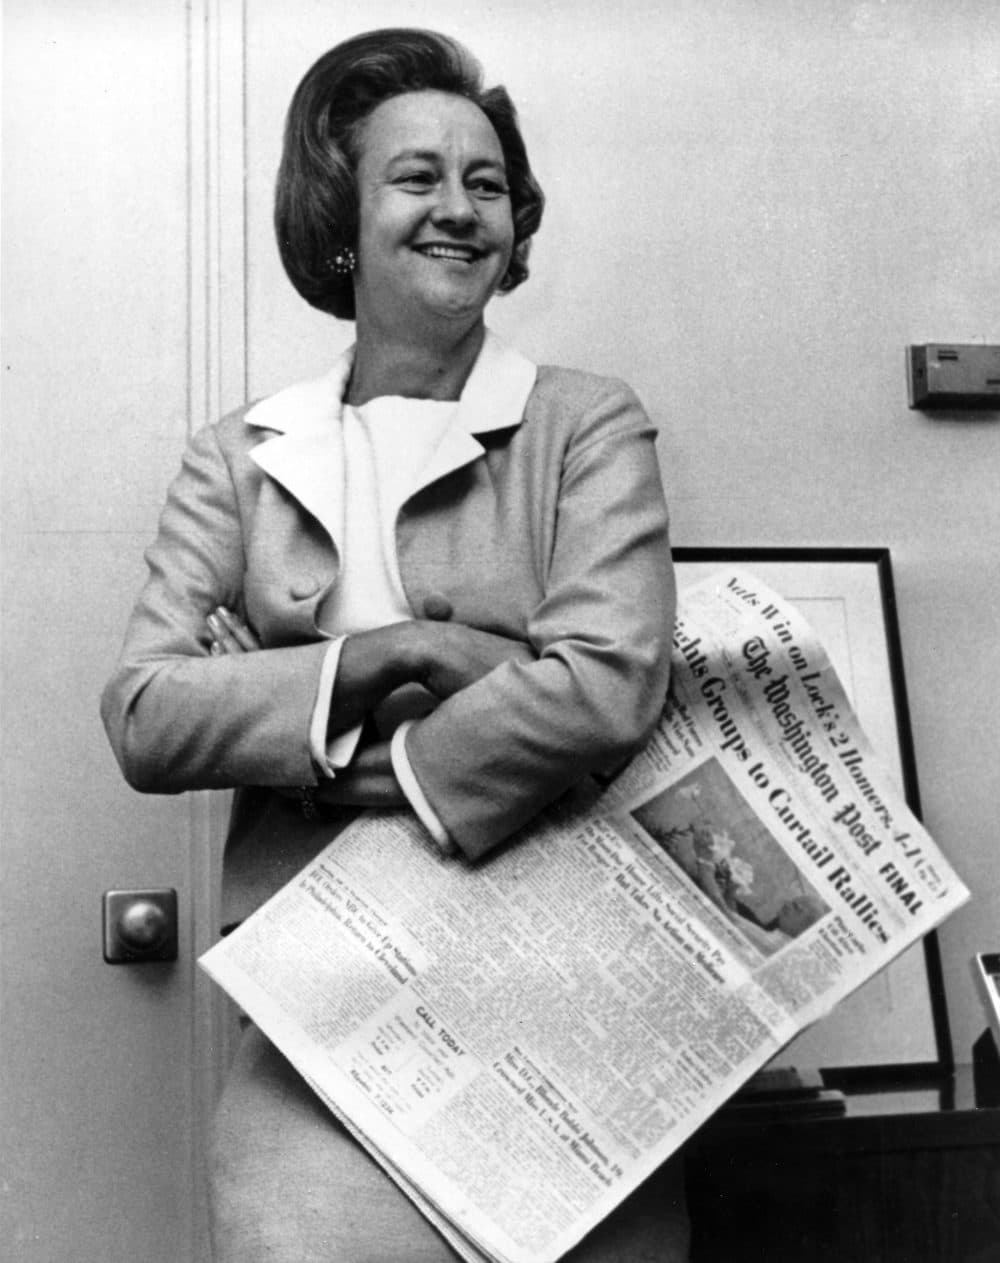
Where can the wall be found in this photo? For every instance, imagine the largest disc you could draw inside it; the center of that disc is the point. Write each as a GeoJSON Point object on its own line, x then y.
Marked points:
{"type": "Point", "coordinates": [753, 209]}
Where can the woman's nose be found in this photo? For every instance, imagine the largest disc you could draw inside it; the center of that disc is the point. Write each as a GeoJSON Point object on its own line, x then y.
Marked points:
{"type": "Point", "coordinates": [454, 205]}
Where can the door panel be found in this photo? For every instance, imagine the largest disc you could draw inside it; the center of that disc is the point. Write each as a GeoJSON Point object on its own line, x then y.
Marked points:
{"type": "Point", "coordinates": [104, 1081]}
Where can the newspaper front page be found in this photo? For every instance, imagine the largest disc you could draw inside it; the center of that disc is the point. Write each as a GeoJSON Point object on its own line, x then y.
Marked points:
{"type": "Point", "coordinates": [522, 1042]}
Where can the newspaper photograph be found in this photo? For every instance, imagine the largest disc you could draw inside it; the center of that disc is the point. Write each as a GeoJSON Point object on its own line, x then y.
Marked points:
{"type": "Point", "coordinates": [521, 1042]}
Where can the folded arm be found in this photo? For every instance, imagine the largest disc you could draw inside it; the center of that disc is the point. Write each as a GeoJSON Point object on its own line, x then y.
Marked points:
{"type": "Point", "coordinates": [442, 657]}
{"type": "Point", "coordinates": [517, 722]}
{"type": "Point", "coordinates": [181, 715]}
{"type": "Point", "coordinates": [491, 756]}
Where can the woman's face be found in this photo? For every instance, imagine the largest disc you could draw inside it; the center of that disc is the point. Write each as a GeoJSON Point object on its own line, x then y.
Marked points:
{"type": "Point", "coordinates": [435, 226]}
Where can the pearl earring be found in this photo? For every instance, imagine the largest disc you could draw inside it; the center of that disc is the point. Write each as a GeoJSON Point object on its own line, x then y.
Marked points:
{"type": "Point", "coordinates": [343, 262]}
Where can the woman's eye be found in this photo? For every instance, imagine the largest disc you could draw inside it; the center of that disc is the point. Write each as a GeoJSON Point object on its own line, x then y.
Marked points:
{"type": "Point", "coordinates": [488, 188]}
{"type": "Point", "coordinates": [419, 179]}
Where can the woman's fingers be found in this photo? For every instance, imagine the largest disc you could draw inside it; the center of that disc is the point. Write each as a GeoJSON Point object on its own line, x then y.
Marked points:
{"type": "Point", "coordinates": [223, 640]}
{"type": "Point", "coordinates": [230, 635]}
{"type": "Point", "coordinates": [238, 629]}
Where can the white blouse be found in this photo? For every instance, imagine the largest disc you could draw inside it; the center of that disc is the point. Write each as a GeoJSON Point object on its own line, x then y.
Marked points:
{"type": "Point", "coordinates": [387, 444]}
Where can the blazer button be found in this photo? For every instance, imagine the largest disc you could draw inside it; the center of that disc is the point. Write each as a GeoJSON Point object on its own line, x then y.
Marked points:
{"type": "Point", "coordinates": [303, 587]}
{"type": "Point", "coordinates": [438, 607]}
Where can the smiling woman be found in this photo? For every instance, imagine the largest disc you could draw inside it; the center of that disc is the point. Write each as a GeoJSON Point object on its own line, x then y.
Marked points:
{"type": "Point", "coordinates": [317, 209]}
{"type": "Point", "coordinates": [437, 578]}
{"type": "Point", "coordinates": [436, 229]}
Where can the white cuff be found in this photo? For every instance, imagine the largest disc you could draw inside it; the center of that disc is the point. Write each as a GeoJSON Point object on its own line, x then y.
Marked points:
{"type": "Point", "coordinates": [333, 755]}
{"type": "Point", "coordinates": [414, 794]}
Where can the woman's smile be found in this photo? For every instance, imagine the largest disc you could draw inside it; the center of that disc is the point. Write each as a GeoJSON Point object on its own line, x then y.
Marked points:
{"type": "Point", "coordinates": [444, 250]}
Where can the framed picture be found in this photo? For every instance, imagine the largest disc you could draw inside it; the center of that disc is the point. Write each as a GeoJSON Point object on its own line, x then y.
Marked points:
{"type": "Point", "coordinates": [896, 1025]}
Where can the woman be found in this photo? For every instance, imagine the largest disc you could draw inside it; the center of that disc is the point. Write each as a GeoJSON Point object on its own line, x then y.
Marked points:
{"type": "Point", "coordinates": [437, 576]}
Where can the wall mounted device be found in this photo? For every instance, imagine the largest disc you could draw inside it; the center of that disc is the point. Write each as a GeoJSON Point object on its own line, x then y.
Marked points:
{"type": "Point", "coordinates": [953, 375]}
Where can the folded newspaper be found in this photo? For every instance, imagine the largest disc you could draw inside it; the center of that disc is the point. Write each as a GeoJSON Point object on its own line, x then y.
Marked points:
{"type": "Point", "coordinates": [521, 1042]}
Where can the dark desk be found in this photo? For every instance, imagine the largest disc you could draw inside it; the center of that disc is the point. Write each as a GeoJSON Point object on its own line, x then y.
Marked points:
{"type": "Point", "coordinates": [909, 1174]}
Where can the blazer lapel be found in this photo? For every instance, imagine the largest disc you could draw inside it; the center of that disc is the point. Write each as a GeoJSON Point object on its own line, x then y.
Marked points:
{"type": "Point", "coordinates": [456, 448]}
{"type": "Point", "coordinates": [494, 398]}
{"type": "Point", "coordinates": [310, 467]}
{"type": "Point", "coordinates": [306, 456]}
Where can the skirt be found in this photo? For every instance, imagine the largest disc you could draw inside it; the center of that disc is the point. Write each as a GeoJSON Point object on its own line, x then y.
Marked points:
{"type": "Point", "coordinates": [290, 1185]}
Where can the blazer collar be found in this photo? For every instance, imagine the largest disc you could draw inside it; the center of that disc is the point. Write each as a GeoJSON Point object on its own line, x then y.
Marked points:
{"type": "Point", "coordinates": [307, 453]}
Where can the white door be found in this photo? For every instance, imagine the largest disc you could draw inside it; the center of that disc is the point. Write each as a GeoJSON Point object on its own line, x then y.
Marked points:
{"type": "Point", "coordinates": [111, 350]}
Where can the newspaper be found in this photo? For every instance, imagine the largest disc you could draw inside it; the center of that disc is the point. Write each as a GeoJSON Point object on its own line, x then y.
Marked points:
{"type": "Point", "coordinates": [521, 1042]}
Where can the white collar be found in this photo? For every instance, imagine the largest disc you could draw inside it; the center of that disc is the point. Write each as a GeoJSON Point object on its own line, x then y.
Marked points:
{"type": "Point", "coordinates": [306, 455]}
{"type": "Point", "coordinates": [494, 396]}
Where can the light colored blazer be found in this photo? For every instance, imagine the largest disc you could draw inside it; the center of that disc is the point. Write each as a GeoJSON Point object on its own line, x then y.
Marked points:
{"type": "Point", "coordinates": [551, 529]}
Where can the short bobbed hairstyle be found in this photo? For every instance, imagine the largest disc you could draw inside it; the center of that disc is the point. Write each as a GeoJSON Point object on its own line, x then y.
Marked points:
{"type": "Point", "coordinates": [316, 203]}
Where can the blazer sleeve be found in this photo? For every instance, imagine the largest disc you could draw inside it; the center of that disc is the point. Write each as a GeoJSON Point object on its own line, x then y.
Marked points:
{"type": "Point", "coordinates": [177, 717]}
{"type": "Point", "coordinates": [492, 756]}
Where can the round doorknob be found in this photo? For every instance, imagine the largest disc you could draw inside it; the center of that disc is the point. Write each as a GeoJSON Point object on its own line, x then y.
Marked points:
{"type": "Point", "coordinates": [143, 926]}
{"type": "Point", "coordinates": [140, 926]}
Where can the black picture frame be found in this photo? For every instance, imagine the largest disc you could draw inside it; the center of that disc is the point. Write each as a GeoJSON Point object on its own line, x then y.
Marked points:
{"type": "Point", "coordinates": [850, 1049]}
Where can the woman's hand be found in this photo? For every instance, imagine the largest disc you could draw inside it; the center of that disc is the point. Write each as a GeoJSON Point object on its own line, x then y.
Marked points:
{"type": "Point", "coordinates": [444, 657]}
{"type": "Point", "coordinates": [229, 633]}
{"type": "Point", "coordinates": [451, 656]}
{"type": "Point", "coordinates": [368, 781]}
